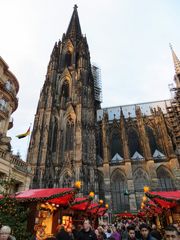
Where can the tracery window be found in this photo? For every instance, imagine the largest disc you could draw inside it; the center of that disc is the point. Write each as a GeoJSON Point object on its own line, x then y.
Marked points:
{"type": "Point", "coordinates": [120, 201]}
{"type": "Point", "coordinates": [101, 185]}
{"type": "Point", "coordinates": [140, 180]}
{"type": "Point", "coordinates": [152, 140]}
{"type": "Point", "coordinates": [116, 145]}
{"type": "Point", "coordinates": [67, 181]}
{"type": "Point", "coordinates": [65, 89]}
{"type": "Point", "coordinates": [68, 59]}
{"type": "Point", "coordinates": [54, 136]}
{"type": "Point", "coordinates": [165, 180]}
{"type": "Point", "coordinates": [69, 135]}
{"type": "Point", "coordinates": [133, 141]}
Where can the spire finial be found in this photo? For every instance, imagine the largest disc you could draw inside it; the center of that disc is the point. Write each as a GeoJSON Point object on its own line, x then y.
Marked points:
{"type": "Point", "coordinates": [175, 60]}
{"type": "Point", "coordinates": [75, 6]}
{"type": "Point", "coordinates": [74, 28]}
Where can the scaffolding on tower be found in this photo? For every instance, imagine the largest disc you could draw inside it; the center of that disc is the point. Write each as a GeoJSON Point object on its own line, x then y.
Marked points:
{"type": "Point", "coordinates": [96, 72]}
{"type": "Point", "coordinates": [174, 112]}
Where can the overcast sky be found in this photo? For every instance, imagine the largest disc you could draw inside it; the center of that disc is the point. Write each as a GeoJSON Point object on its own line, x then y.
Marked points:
{"type": "Point", "coordinates": [128, 39]}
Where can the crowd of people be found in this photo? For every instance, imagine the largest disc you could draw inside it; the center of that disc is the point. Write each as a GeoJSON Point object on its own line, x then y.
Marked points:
{"type": "Point", "coordinates": [123, 230]}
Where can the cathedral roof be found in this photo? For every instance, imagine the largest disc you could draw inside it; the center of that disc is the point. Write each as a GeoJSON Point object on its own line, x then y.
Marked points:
{"type": "Point", "coordinates": [74, 28]}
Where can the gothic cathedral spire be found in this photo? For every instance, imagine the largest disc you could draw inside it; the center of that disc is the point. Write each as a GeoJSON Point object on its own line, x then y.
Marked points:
{"type": "Point", "coordinates": [62, 147]}
{"type": "Point", "coordinates": [74, 28]}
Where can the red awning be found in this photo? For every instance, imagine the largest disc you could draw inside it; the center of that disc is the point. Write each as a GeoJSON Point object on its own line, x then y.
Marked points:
{"type": "Point", "coordinates": [59, 196]}
{"type": "Point", "coordinates": [165, 199]}
{"type": "Point", "coordinates": [101, 211]}
{"type": "Point", "coordinates": [80, 204]}
{"type": "Point", "coordinates": [125, 214]}
{"type": "Point", "coordinates": [93, 208]}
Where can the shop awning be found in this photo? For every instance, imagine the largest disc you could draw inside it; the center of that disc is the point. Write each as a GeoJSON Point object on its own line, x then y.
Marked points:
{"type": "Point", "coordinates": [80, 204]}
{"type": "Point", "coordinates": [60, 196]}
{"type": "Point", "coordinates": [101, 211]}
{"type": "Point", "coordinates": [165, 199]}
{"type": "Point", "coordinates": [93, 208]}
{"type": "Point", "coordinates": [125, 215]}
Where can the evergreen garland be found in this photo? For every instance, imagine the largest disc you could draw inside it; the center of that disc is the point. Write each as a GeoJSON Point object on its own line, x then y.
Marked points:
{"type": "Point", "coordinates": [12, 213]}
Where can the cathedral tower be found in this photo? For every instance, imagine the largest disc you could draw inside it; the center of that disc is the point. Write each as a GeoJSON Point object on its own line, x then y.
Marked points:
{"type": "Point", "coordinates": [62, 147]}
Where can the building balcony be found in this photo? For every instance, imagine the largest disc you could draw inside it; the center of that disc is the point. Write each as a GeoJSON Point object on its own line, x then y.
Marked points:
{"type": "Point", "coordinates": [10, 94]}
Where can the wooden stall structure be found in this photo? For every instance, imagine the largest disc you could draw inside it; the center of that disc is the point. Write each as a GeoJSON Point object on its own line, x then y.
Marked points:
{"type": "Point", "coordinates": [162, 207]}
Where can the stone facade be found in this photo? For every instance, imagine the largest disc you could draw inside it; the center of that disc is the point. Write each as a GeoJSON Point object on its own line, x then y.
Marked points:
{"type": "Point", "coordinates": [10, 165]}
{"type": "Point", "coordinates": [113, 151]}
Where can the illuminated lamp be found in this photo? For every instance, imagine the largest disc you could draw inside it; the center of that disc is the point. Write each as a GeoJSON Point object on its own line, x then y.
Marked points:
{"type": "Point", "coordinates": [101, 201]}
{"type": "Point", "coordinates": [146, 189]}
{"type": "Point", "coordinates": [77, 184]}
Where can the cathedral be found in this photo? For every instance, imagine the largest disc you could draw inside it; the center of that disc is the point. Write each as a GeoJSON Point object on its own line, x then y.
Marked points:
{"type": "Point", "coordinates": [113, 151]}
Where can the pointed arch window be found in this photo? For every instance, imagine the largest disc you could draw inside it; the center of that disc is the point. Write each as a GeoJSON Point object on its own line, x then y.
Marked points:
{"type": "Point", "coordinates": [101, 185]}
{"type": "Point", "coordinates": [120, 201]}
{"type": "Point", "coordinates": [140, 180]}
{"type": "Point", "coordinates": [133, 141]}
{"type": "Point", "coordinates": [65, 89]}
{"type": "Point", "coordinates": [69, 135]}
{"type": "Point", "coordinates": [99, 148]}
{"type": "Point", "coordinates": [67, 181]}
{"type": "Point", "coordinates": [68, 59]}
{"type": "Point", "coordinates": [54, 135]}
{"type": "Point", "coordinates": [165, 180]}
{"type": "Point", "coordinates": [116, 145]}
{"type": "Point", "coordinates": [152, 140]}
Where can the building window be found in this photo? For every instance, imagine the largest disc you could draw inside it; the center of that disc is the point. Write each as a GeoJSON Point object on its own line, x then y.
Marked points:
{"type": "Point", "coordinates": [67, 181]}
{"type": "Point", "coordinates": [120, 201]}
{"type": "Point", "coordinates": [152, 140]}
{"type": "Point", "coordinates": [116, 145]}
{"type": "Point", "coordinates": [69, 136]}
{"type": "Point", "coordinates": [140, 180]}
{"type": "Point", "coordinates": [3, 105]}
{"type": "Point", "coordinates": [68, 59]}
{"type": "Point", "coordinates": [165, 180]}
{"type": "Point", "coordinates": [54, 135]}
{"type": "Point", "coordinates": [133, 141]}
{"type": "Point", "coordinates": [65, 91]}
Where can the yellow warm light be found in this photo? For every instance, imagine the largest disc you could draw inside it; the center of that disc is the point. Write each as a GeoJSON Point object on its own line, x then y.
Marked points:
{"type": "Point", "coordinates": [146, 189]}
{"type": "Point", "coordinates": [101, 202]}
{"type": "Point", "coordinates": [107, 206]}
{"type": "Point", "coordinates": [144, 198]}
{"type": "Point", "coordinates": [91, 194]}
{"type": "Point", "coordinates": [142, 205]}
{"type": "Point", "coordinates": [77, 184]}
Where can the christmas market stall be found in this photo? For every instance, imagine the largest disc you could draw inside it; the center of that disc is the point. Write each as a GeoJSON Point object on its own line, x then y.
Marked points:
{"type": "Point", "coordinates": [84, 208]}
{"type": "Point", "coordinates": [162, 208]}
{"type": "Point", "coordinates": [166, 205]}
{"type": "Point", "coordinates": [46, 209]}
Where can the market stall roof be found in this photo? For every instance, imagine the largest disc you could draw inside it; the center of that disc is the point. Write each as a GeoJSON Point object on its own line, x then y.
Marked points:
{"type": "Point", "coordinates": [101, 211]}
{"type": "Point", "coordinates": [125, 214]}
{"type": "Point", "coordinates": [93, 208]}
{"type": "Point", "coordinates": [59, 196]}
{"type": "Point", "coordinates": [80, 204]}
{"type": "Point", "coordinates": [165, 199]}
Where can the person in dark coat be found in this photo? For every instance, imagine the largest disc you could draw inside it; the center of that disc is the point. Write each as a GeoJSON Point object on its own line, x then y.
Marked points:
{"type": "Point", "coordinates": [62, 234]}
{"type": "Point", "coordinates": [87, 233]}
{"type": "Point", "coordinates": [155, 233]}
{"type": "Point", "coordinates": [145, 232]}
